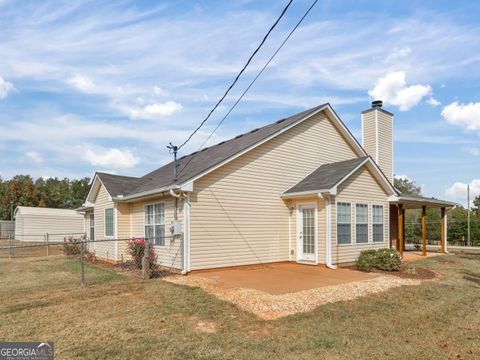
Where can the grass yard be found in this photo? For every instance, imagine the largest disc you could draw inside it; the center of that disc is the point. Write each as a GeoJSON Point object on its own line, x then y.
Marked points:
{"type": "Point", "coordinates": [119, 317]}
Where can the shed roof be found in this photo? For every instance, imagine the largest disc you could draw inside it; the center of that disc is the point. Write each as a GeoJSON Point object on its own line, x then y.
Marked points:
{"type": "Point", "coordinates": [28, 210]}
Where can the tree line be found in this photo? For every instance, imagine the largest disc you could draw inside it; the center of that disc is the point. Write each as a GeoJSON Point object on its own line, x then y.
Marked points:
{"type": "Point", "coordinates": [23, 190]}
{"type": "Point", "coordinates": [457, 220]}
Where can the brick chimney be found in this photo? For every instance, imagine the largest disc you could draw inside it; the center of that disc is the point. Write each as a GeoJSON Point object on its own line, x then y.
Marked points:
{"type": "Point", "coordinates": [377, 137]}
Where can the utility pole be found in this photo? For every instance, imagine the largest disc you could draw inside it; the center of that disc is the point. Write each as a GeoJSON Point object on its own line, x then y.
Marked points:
{"type": "Point", "coordinates": [468, 214]}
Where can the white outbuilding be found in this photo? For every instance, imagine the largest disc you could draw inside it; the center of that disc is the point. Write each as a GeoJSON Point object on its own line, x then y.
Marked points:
{"type": "Point", "coordinates": [35, 224]}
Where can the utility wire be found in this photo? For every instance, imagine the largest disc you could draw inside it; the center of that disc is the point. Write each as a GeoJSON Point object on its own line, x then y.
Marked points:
{"type": "Point", "coordinates": [251, 84]}
{"type": "Point", "coordinates": [239, 74]}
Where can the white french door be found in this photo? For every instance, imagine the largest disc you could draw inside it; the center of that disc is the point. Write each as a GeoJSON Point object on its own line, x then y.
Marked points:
{"type": "Point", "coordinates": [306, 233]}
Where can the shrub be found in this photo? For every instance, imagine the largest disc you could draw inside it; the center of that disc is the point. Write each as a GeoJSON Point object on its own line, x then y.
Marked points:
{"type": "Point", "coordinates": [71, 246]}
{"type": "Point", "coordinates": [367, 260]}
{"type": "Point", "coordinates": [388, 260]}
{"type": "Point", "coordinates": [136, 249]}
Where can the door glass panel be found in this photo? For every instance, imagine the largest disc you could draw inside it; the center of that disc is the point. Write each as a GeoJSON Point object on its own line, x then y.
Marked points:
{"type": "Point", "coordinates": [308, 231]}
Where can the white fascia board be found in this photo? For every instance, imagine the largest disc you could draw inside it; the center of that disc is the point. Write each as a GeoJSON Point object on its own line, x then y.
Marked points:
{"type": "Point", "coordinates": [305, 194]}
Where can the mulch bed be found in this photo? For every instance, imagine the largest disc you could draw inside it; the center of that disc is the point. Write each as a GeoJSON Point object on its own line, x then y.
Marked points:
{"type": "Point", "coordinates": [409, 271]}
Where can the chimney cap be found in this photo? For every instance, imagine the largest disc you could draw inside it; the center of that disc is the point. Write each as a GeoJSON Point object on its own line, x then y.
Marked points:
{"type": "Point", "coordinates": [377, 104]}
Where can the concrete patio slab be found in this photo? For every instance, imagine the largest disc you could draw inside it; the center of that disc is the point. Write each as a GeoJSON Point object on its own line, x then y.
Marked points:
{"type": "Point", "coordinates": [281, 278]}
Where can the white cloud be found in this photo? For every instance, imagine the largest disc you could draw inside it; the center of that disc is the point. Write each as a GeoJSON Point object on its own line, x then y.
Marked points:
{"type": "Point", "coordinates": [393, 89]}
{"type": "Point", "coordinates": [433, 102]}
{"type": "Point", "coordinates": [82, 82]}
{"type": "Point", "coordinates": [35, 156]}
{"type": "Point", "coordinates": [5, 88]}
{"type": "Point", "coordinates": [403, 177]}
{"type": "Point", "coordinates": [159, 91]}
{"type": "Point", "coordinates": [458, 192]}
{"type": "Point", "coordinates": [474, 151]}
{"type": "Point", "coordinates": [464, 115]}
{"type": "Point", "coordinates": [110, 158]}
{"type": "Point", "coordinates": [153, 111]}
{"type": "Point", "coordinates": [399, 52]}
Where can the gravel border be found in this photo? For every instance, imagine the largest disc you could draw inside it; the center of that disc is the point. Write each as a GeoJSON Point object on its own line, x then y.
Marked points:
{"type": "Point", "coordinates": [271, 307]}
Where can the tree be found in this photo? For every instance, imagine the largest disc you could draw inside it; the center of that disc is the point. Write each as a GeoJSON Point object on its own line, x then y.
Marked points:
{"type": "Point", "coordinates": [476, 206]}
{"type": "Point", "coordinates": [21, 190]}
{"type": "Point", "coordinates": [407, 187]}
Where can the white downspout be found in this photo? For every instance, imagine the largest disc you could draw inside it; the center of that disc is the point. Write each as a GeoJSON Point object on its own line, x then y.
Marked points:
{"type": "Point", "coordinates": [328, 241]}
{"type": "Point", "coordinates": [186, 235]}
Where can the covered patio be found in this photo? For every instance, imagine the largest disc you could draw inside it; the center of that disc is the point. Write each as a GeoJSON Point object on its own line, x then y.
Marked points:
{"type": "Point", "coordinates": [398, 207]}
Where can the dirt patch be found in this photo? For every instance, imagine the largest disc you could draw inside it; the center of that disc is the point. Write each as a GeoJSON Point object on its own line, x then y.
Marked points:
{"type": "Point", "coordinates": [206, 327]}
{"type": "Point", "coordinates": [270, 307]}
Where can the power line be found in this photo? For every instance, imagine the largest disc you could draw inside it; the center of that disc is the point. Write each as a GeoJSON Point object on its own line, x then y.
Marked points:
{"type": "Point", "coordinates": [239, 74]}
{"type": "Point", "coordinates": [251, 84]}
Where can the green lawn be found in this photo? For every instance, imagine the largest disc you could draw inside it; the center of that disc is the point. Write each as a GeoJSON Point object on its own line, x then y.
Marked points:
{"type": "Point", "coordinates": [128, 318]}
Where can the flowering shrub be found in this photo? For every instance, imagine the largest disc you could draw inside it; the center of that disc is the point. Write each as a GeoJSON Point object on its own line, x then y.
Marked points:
{"type": "Point", "coordinates": [382, 259]}
{"type": "Point", "coordinates": [71, 246]}
{"type": "Point", "coordinates": [388, 260]}
{"type": "Point", "coordinates": [136, 249]}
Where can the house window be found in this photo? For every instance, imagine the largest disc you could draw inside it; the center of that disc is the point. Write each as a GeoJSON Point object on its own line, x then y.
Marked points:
{"type": "Point", "coordinates": [361, 223]}
{"type": "Point", "coordinates": [344, 223]}
{"type": "Point", "coordinates": [155, 223]}
{"type": "Point", "coordinates": [377, 223]}
{"type": "Point", "coordinates": [92, 227]}
{"type": "Point", "coordinates": [109, 222]}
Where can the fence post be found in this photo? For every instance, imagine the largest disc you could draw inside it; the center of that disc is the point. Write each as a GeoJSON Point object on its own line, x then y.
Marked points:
{"type": "Point", "coordinates": [82, 266]}
{"type": "Point", "coordinates": [145, 262]}
{"type": "Point", "coordinates": [47, 238]}
{"type": "Point", "coordinates": [10, 245]}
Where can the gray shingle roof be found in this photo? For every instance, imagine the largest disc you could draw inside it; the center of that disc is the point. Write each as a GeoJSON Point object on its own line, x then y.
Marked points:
{"type": "Point", "coordinates": [196, 163]}
{"type": "Point", "coordinates": [326, 176]}
{"type": "Point", "coordinates": [117, 184]}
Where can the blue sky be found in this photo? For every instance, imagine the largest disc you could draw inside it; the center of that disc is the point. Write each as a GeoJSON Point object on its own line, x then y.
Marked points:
{"type": "Point", "coordinates": [92, 85]}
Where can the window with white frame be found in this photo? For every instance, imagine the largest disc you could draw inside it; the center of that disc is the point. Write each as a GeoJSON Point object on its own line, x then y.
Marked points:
{"type": "Point", "coordinates": [155, 223]}
{"type": "Point", "coordinates": [109, 222]}
{"type": "Point", "coordinates": [377, 223]}
{"type": "Point", "coordinates": [344, 223]}
{"type": "Point", "coordinates": [361, 223]}
{"type": "Point", "coordinates": [92, 227]}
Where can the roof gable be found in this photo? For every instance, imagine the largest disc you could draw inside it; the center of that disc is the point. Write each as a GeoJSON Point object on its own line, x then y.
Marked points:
{"type": "Point", "coordinates": [328, 177]}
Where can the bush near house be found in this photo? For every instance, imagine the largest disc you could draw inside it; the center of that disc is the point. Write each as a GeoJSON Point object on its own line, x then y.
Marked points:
{"type": "Point", "coordinates": [382, 259]}
{"type": "Point", "coordinates": [367, 260]}
{"type": "Point", "coordinates": [71, 246]}
{"type": "Point", "coordinates": [136, 249]}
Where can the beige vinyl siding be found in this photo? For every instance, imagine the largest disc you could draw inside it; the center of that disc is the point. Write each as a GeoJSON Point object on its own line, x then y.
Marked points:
{"type": "Point", "coordinates": [123, 229]}
{"type": "Point", "coordinates": [360, 188]}
{"type": "Point", "coordinates": [385, 134]}
{"type": "Point", "coordinates": [378, 121]}
{"type": "Point", "coordinates": [169, 255]}
{"type": "Point", "coordinates": [104, 250]}
{"type": "Point", "coordinates": [369, 134]}
{"type": "Point", "coordinates": [34, 224]}
{"type": "Point", "coordinates": [237, 214]}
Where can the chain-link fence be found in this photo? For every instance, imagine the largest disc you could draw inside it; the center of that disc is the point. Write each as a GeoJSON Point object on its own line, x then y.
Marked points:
{"type": "Point", "coordinates": [92, 260]}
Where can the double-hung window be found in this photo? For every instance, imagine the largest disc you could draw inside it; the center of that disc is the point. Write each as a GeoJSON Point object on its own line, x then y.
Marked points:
{"type": "Point", "coordinates": [377, 223]}
{"type": "Point", "coordinates": [361, 226]}
{"type": "Point", "coordinates": [109, 222]}
{"type": "Point", "coordinates": [155, 223]}
{"type": "Point", "coordinates": [344, 223]}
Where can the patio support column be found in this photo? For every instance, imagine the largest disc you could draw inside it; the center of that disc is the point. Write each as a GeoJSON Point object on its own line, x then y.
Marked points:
{"type": "Point", "coordinates": [403, 232]}
{"type": "Point", "coordinates": [424, 230]}
{"type": "Point", "coordinates": [400, 229]}
{"type": "Point", "coordinates": [442, 232]}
